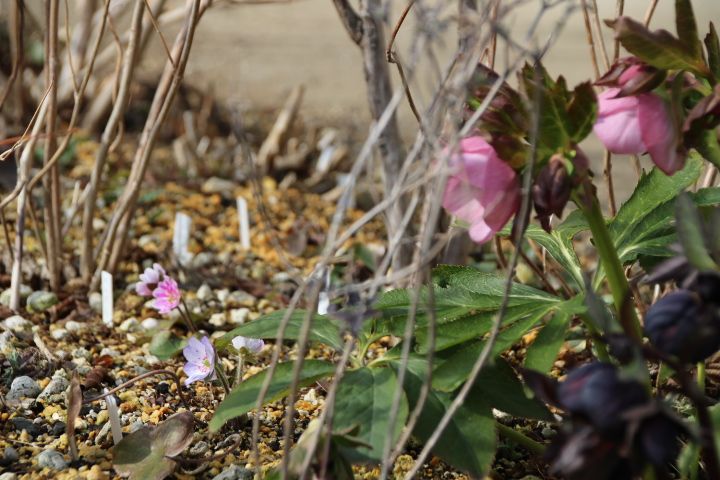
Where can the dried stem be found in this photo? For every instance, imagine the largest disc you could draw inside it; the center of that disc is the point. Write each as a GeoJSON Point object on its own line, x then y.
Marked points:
{"type": "Point", "coordinates": [87, 259]}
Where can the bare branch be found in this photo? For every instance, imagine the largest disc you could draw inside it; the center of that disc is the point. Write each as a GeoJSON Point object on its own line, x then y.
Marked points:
{"type": "Point", "coordinates": [351, 20]}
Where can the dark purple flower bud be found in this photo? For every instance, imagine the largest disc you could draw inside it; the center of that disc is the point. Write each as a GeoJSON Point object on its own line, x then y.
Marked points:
{"type": "Point", "coordinates": [658, 439]}
{"type": "Point", "coordinates": [596, 393]}
{"type": "Point", "coordinates": [679, 324]}
{"type": "Point", "coordinates": [584, 454]}
{"type": "Point", "coordinates": [551, 190]}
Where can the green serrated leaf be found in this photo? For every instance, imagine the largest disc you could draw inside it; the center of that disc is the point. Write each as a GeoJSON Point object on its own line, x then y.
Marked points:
{"type": "Point", "coordinates": [637, 218]}
{"type": "Point", "coordinates": [244, 397]}
{"type": "Point", "coordinates": [324, 329]}
{"type": "Point", "coordinates": [687, 28]}
{"type": "Point", "coordinates": [166, 345]}
{"type": "Point", "coordinates": [468, 442]}
{"type": "Point", "coordinates": [364, 398]}
{"type": "Point", "coordinates": [712, 45]}
{"type": "Point", "coordinates": [691, 234]}
{"type": "Point", "coordinates": [658, 48]}
{"type": "Point", "coordinates": [541, 354]}
{"type": "Point", "coordinates": [581, 112]}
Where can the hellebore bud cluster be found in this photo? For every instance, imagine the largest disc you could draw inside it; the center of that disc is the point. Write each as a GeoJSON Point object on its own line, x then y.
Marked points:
{"type": "Point", "coordinates": [682, 325]}
{"type": "Point", "coordinates": [615, 430]}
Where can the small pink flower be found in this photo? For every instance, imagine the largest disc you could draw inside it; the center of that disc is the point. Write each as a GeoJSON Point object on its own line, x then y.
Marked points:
{"type": "Point", "coordinates": [167, 296]}
{"type": "Point", "coordinates": [149, 280]}
{"type": "Point", "coordinates": [200, 357]}
{"type": "Point", "coordinates": [482, 189]}
{"type": "Point", "coordinates": [637, 124]}
{"type": "Point", "coordinates": [252, 345]}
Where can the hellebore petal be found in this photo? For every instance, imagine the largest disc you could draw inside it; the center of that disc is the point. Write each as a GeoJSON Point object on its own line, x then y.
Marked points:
{"type": "Point", "coordinates": [659, 134]}
{"type": "Point", "coordinates": [482, 189]}
{"type": "Point", "coordinates": [618, 124]}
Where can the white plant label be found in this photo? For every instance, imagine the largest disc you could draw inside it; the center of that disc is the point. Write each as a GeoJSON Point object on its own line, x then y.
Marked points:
{"type": "Point", "coordinates": [181, 237]}
{"type": "Point", "coordinates": [114, 416]}
{"type": "Point", "coordinates": [244, 223]}
{"type": "Point", "coordinates": [106, 287]}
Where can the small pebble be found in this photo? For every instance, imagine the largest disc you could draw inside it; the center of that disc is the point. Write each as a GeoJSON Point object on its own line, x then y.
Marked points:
{"type": "Point", "coordinates": [95, 301]}
{"type": "Point", "coordinates": [149, 324]}
{"type": "Point", "coordinates": [199, 448]}
{"type": "Point", "coordinates": [234, 472]}
{"type": "Point", "coordinates": [204, 293]}
{"type": "Point", "coordinates": [25, 291]}
{"type": "Point", "coordinates": [16, 323]}
{"type": "Point", "coordinates": [10, 455]}
{"type": "Point", "coordinates": [58, 384]}
{"type": "Point", "coordinates": [22, 423]}
{"type": "Point", "coordinates": [22, 387]}
{"type": "Point", "coordinates": [111, 352]}
{"type": "Point", "coordinates": [41, 300]}
{"type": "Point", "coordinates": [73, 326]}
{"type": "Point", "coordinates": [217, 319]}
{"type": "Point", "coordinates": [241, 298]}
{"type": "Point", "coordinates": [238, 316]}
{"type": "Point", "coordinates": [129, 325]}
{"type": "Point", "coordinates": [52, 459]}
{"type": "Point", "coordinates": [58, 429]}
{"type": "Point", "coordinates": [59, 334]}
{"type": "Point", "coordinates": [8, 476]}
{"type": "Point", "coordinates": [6, 345]}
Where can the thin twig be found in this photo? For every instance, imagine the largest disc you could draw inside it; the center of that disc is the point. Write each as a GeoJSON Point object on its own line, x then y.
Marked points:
{"type": "Point", "coordinates": [18, 48]}
{"type": "Point", "coordinates": [650, 12]}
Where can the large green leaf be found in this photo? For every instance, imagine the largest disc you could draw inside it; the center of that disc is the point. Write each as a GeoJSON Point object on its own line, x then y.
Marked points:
{"type": "Point", "coordinates": [364, 398]}
{"type": "Point", "coordinates": [712, 45]}
{"type": "Point", "coordinates": [656, 232]}
{"type": "Point", "coordinates": [658, 48]}
{"type": "Point", "coordinates": [691, 234]}
{"type": "Point", "coordinates": [639, 218]}
{"type": "Point", "coordinates": [244, 397]}
{"type": "Point", "coordinates": [687, 27]}
{"type": "Point", "coordinates": [465, 302]}
{"type": "Point", "coordinates": [544, 350]}
{"type": "Point", "coordinates": [324, 329]}
{"type": "Point", "coordinates": [454, 364]}
{"type": "Point", "coordinates": [558, 244]}
{"type": "Point", "coordinates": [468, 442]}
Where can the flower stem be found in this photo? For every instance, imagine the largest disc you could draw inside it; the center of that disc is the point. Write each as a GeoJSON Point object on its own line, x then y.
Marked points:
{"type": "Point", "coordinates": [221, 375]}
{"type": "Point", "coordinates": [518, 438]}
{"type": "Point", "coordinates": [186, 316]}
{"type": "Point", "coordinates": [613, 268]}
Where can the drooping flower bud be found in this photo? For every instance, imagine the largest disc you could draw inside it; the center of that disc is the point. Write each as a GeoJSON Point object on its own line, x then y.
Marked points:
{"type": "Point", "coordinates": [658, 439]}
{"type": "Point", "coordinates": [680, 324]}
{"type": "Point", "coordinates": [551, 190]}
{"type": "Point", "coordinates": [596, 392]}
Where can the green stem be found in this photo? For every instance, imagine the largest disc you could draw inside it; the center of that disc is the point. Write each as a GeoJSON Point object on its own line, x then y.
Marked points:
{"type": "Point", "coordinates": [221, 375]}
{"type": "Point", "coordinates": [613, 268]}
{"type": "Point", "coordinates": [518, 438]}
{"type": "Point", "coordinates": [701, 376]}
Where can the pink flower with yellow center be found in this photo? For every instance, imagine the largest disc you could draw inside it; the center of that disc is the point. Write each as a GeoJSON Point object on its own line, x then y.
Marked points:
{"type": "Point", "coordinates": [167, 296]}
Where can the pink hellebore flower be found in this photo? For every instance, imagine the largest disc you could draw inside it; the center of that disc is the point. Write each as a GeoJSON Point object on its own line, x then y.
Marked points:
{"type": "Point", "coordinates": [252, 345]}
{"type": "Point", "coordinates": [482, 189]}
{"type": "Point", "coordinates": [200, 358]}
{"type": "Point", "coordinates": [167, 296]}
{"type": "Point", "coordinates": [637, 124]}
{"type": "Point", "coordinates": [149, 279]}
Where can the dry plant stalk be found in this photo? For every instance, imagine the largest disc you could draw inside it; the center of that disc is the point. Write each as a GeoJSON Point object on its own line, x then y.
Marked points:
{"type": "Point", "coordinates": [110, 249]}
